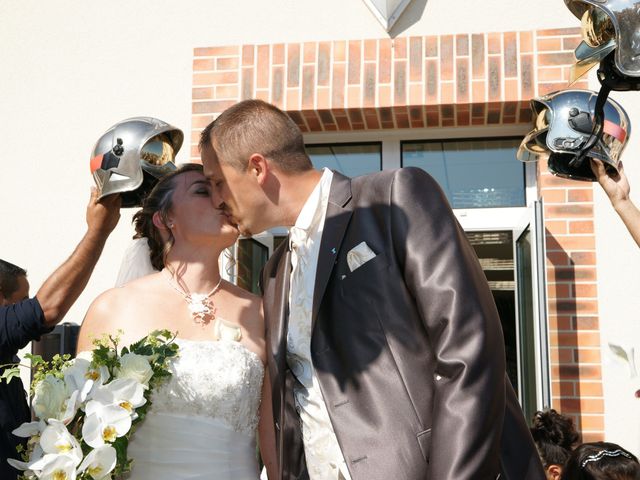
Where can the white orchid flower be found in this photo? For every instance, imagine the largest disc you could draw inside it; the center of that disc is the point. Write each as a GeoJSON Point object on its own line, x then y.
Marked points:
{"type": "Point", "coordinates": [124, 392]}
{"type": "Point", "coordinates": [104, 423]}
{"type": "Point", "coordinates": [36, 455]}
{"type": "Point", "coordinates": [99, 462]}
{"type": "Point", "coordinates": [24, 466]}
{"type": "Point", "coordinates": [75, 374]}
{"type": "Point", "coordinates": [56, 439]}
{"type": "Point", "coordinates": [81, 377]}
{"type": "Point", "coordinates": [55, 467]}
{"type": "Point", "coordinates": [71, 407]}
{"type": "Point", "coordinates": [32, 431]}
{"type": "Point", "coordinates": [29, 429]}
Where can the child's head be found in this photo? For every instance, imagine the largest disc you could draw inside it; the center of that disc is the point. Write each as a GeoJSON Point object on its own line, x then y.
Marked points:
{"type": "Point", "coordinates": [555, 436]}
{"type": "Point", "coordinates": [601, 461]}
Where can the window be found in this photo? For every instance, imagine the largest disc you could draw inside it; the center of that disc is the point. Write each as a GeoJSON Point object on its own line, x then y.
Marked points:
{"type": "Point", "coordinates": [472, 173]}
{"type": "Point", "coordinates": [351, 160]}
{"type": "Point", "coordinates": [251, 256]}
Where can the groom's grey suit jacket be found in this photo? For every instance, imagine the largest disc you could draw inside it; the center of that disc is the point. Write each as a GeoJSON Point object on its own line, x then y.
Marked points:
{"type": "Point", "coordinates": [408, 348]}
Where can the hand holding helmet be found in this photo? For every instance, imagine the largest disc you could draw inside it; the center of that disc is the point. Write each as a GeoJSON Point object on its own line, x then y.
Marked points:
{"type": "Point", "coordinates": [616, 186]}
{"type": "Point", "coordinates": [103, 215]}
{"type": "Point", "coordinates": [132, 155]}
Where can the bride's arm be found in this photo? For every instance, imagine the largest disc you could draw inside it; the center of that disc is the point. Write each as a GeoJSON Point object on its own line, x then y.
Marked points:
{"type": "Point", "coordinates": [266, 432]}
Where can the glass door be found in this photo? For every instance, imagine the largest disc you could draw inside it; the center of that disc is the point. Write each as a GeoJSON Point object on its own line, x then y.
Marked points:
{"type": "Point", "coordinates": [513, 259]}
{"type": "Point", "coordinates": [535, 389]}
{"type": "Point", "coordinates": [494, 249]}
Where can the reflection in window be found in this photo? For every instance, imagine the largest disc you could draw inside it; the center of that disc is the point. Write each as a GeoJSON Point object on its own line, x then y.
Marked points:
{"type": "Point", "coordinates": [472, 173]}
{"type": "Point", "coordinates": [351, 160]}
{"type": "Point", "coordinates": [251, 257]}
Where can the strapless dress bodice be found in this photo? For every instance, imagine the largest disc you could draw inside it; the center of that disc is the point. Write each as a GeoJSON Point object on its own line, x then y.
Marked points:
{"type": "Point", "coordinates": [202, 422]}
{"type": "Point", "coordinates": [215, 379]}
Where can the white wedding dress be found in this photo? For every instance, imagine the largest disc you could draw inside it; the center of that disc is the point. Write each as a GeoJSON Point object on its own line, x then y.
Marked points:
{"type": "Point", "coordinates": [202, 423]}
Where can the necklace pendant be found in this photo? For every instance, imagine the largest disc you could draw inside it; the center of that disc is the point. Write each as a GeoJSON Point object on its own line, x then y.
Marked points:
{"type": "Point", "coordinates": [201, 309]}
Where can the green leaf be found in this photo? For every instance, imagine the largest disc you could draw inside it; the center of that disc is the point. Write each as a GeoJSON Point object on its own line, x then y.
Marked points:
{"type": "Point", "coordinates": [35, 359]}
{"type": "Point", "coordinates": [10, 373]}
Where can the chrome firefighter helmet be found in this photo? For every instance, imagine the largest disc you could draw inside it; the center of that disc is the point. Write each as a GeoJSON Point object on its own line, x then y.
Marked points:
{"type": "Point", "coordinates": [564, 124]}
{"type": "Point", "coordinates": [611, 34]}
{"type": "Point", "coordinates": [132, 155]}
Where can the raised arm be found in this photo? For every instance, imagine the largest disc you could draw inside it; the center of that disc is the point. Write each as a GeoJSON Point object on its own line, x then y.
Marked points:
{"type": "Point", "coordinates": [617, 189]}
{"type": "Point", "coordinates": [64, 286]}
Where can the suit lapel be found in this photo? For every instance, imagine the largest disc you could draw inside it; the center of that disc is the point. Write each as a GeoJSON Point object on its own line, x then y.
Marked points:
{"type": "Point", "coordinates": [335, 226]}
{"type": "Point", "coordinates": [280, 308]}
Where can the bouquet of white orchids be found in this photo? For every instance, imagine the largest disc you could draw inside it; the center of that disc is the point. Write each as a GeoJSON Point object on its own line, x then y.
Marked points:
{"type": "Point", "coordinates": [87, 408]}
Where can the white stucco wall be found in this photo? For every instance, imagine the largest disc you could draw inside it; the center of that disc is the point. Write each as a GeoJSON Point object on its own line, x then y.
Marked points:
{"type": "Point", "coordinates": [72, 68]}
{"type": "Point", "coordinates": [618, 258]}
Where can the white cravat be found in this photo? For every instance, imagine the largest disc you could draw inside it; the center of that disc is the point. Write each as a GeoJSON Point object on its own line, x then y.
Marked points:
{"type": "Point", "coordinates": [323, 455]}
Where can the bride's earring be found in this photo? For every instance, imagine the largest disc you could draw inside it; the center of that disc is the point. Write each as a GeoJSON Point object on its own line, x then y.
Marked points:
{"type": "Point", "coordinates": [159, 222]}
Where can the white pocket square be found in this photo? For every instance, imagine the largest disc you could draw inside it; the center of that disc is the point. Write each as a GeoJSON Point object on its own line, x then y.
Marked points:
{"type": "Point", "coordinates": [359, 255]}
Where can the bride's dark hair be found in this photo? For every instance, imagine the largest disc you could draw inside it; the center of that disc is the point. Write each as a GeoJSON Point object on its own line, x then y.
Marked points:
{"type": "Point", "coordinates": [160, 200]}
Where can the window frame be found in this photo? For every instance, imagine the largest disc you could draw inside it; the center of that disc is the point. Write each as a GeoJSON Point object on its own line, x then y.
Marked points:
{"type": "Point", "coordinates": [349, 144]}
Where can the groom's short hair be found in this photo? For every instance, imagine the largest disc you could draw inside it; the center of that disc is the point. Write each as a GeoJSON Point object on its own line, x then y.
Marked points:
{"type": "Point", "coordinates": [255, 126]}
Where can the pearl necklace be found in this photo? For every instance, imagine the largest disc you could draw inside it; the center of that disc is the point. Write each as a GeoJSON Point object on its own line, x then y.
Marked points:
{"type": "Point", "coordinates": [200, 305]}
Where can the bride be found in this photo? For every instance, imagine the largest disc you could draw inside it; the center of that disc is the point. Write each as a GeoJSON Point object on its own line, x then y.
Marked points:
{"type": "Point", "coordinates": [203, 421]}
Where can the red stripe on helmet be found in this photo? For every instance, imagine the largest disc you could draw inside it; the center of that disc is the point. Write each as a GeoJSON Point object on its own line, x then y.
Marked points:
{"type": "Point", "coordinates": [616, 131]}
{"type": "Point", "coordinates": [96, 163]}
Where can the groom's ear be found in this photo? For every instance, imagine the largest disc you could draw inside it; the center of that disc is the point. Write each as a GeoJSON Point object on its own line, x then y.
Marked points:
{"type": "Point", "coordinates": [258, 167]}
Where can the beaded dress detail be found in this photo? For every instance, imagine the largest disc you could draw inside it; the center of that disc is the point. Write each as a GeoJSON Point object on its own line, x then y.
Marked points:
{"type": "Point", "coordinates": [203, 421]}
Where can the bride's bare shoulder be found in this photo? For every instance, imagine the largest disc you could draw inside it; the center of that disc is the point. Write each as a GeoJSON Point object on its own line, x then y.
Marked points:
{"type": "Point", "coordinates": [244, 297]}
{"type": "Point", "coordinates": [116, 299]}
{"type": "Point", "coordinates": [114, 309]}
{"type": "Point", "coordinates": [248, 307]}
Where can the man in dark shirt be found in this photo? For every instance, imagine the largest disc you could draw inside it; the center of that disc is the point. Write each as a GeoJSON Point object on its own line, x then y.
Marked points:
{"type": "Point", "coordinates": [27, 319]}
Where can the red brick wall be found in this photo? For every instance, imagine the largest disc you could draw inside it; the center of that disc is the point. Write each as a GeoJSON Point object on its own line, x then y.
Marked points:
{"type": "Point", "coordinates": [441, 81]}
{"type": "Point", "coordinates": [576, 370]}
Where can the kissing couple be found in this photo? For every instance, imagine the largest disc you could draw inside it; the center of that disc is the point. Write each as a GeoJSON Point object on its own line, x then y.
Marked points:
{"type": "Point", "coordinates": [375, 352]}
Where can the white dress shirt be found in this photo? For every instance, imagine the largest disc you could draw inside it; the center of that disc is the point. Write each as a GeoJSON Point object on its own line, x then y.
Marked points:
{"type": "Point", "coordinates": [323, 455]}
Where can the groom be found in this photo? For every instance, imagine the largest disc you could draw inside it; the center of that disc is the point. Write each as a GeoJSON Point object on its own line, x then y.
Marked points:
{"type": "Point", "coordinates": [385, 351]}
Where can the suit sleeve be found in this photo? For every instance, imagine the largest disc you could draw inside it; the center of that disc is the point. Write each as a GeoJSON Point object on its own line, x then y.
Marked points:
{"type": "Point", "coordinates": [442, 272]}
{"type": "Point", "coordinates": [20, 323]}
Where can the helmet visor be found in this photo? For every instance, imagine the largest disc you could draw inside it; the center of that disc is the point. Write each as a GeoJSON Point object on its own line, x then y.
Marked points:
{"type": "Point", "coordinates": [158, 151]}
{"type": "Point", "coordinates": [596, 27]}
{"type": "Point", "coordinates": [588, 57]}
{"type": "Point", "coordinates": [533, 146]}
